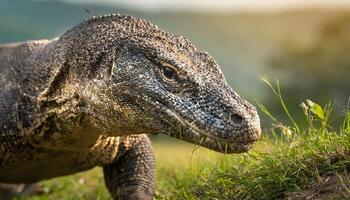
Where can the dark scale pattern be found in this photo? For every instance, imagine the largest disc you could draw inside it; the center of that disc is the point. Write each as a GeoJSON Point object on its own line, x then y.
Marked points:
{"type": "Point", "coordinates": [88, 98]}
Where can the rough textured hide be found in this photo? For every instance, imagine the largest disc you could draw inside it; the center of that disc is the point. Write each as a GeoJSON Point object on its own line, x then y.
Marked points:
{"type": "Point", "coordinates": [87, 98]}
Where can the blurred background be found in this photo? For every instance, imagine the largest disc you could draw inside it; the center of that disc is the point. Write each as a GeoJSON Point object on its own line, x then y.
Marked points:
{"type": "Point", "coordinates": [303, 44]}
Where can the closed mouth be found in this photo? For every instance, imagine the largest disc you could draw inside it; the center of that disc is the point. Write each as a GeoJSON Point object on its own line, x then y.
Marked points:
{"type": "Point", "coordinates": [206, 136]}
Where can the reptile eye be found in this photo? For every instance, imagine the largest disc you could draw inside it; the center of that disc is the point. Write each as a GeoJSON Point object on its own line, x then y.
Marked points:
{"type": "Point", "coordinates": [169, 72]}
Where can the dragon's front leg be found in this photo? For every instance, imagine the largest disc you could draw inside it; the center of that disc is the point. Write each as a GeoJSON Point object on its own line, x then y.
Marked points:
{"type": "Point", "coordinates": [132, 174]}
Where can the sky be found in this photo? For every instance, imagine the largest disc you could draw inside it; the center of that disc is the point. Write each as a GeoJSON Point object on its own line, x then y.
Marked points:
{"type": "Point", "coordinates": [217, 5]}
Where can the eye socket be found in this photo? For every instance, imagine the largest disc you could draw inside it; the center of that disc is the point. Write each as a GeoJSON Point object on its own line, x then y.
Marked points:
{"type": "Point", "coordinates": [169, 72]}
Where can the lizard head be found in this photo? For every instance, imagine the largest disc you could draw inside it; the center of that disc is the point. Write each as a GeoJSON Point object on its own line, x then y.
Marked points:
{"type": "Point", "coordinates": [166, 85]}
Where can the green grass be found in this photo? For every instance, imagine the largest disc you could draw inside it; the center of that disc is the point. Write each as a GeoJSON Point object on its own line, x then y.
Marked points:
{"type": "Point", "coordinates": [295, 161]}
{"type": "Point", "coordinates": [274, 172]}
{"type": "Point", "coordinates": [290, 162]}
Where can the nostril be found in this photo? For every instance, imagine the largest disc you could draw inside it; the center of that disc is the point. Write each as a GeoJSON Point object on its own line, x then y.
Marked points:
{"type": "Point", "coordinates": [236, 118]}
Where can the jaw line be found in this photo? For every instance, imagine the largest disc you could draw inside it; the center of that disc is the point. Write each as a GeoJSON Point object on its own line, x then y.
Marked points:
{"type": "Point", "coordinates": [195, 129]}
{"type": "Point", "coordinates": [192, 127]}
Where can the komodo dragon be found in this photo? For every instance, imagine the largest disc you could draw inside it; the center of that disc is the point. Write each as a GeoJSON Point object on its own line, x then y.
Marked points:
{"type": "Point", "coordinates": [89, 97]}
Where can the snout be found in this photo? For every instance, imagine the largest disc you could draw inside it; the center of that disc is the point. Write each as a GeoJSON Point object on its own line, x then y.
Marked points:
{"type": "Point", "coordinates": [237, 133]}
{"type": "Point", "coordinates": [245, 127]}
{"type": "Point", "coordinates": [226, 124]}
{"type": "Point", "coordinates": [243, 130]}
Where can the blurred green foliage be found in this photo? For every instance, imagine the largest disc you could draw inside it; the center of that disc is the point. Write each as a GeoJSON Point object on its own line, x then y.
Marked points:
{"type": "Point", "coordinates": [319, 69]}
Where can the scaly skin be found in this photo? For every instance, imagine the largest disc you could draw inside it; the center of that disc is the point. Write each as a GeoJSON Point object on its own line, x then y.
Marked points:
{"type": "Point", "coordinates": [89, 97]}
